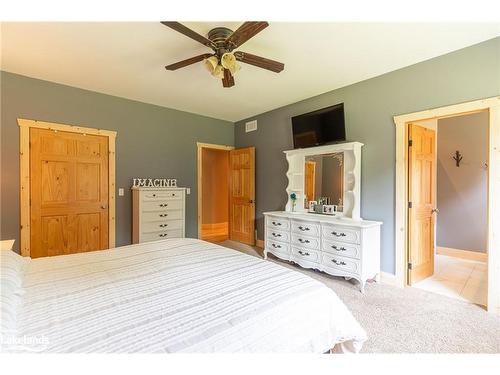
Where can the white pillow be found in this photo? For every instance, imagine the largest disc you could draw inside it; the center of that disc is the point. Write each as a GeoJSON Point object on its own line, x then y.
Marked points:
{"type": "Point", "coordinates": [12, 267]}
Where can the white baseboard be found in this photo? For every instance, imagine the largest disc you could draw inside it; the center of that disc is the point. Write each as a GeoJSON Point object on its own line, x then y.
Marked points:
{"type": "Point", "coordinates": [389, 279]}
{"type": "Point", "coordinates": [464, 254]}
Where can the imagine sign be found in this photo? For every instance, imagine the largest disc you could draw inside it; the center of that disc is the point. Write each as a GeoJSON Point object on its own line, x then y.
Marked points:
{"type": "Point", "coordinates": [155, 182]}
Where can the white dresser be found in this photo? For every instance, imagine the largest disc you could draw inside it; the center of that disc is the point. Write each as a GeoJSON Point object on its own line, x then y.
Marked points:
{"type": "Point", "coordinates": [337, 246]}
{"type": "Point", "coordinates": [158, 213]}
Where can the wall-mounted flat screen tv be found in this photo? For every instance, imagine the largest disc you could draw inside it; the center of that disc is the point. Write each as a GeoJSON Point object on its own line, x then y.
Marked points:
{"type": "Point", "coordinates": [319, 127]}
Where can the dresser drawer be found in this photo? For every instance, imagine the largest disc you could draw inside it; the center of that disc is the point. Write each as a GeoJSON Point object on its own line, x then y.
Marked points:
{"type": "Point", "coordinates": [305, 227]}
{"type": "Point", "coordinates": [278, 223]}
{"type": "Point", "coordinates": [342, 263]}
{"type": "Point", "coordinates": [160, 195]}
{"type": "Point", "coordinates": [341, 233]}
{"type": "Point", "coordinates": [342, 249]}
{"type": "Point", "coordinates": [162, 205]}
{"type": "Point", "coordinates": [156, 226]}
{"type": "Point", "coordinates": [305, 241]}
{"type": "Point", "coordinates": [278, 235]}
{"type": "Point", "coordinates": [307, 254]}
{"type": "Point", "coordinates": [154, 236]}
{"type": "Point", "coordinates": [280, 249]}
{"type": "Point", "coordinates": [162, 216]}
{"type": "Point", "coordinates": [278, 246]}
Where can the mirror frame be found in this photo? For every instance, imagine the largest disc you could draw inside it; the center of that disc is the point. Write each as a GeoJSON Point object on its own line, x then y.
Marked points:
{"type": "Point", "coordinates": [352, 176]}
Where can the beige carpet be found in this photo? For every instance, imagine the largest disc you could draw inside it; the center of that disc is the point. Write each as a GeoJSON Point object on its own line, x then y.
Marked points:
{"type": "Point", "coordinates": [408, 320]}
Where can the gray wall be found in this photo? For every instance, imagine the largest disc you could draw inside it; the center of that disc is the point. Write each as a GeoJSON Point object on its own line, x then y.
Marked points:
{"type": "Point", "coordinates": [464, 75]}
{"type": "Point", "coordinates": [151, 141]}
{"type": "Point", "coordinates": [462, 192]}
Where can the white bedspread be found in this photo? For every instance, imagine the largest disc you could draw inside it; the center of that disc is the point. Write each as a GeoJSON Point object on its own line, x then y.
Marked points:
{"type": "Point", "coordinates": [180, 295]}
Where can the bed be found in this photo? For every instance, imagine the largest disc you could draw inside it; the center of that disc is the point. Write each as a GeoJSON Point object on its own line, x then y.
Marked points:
{"type": "Point", "coordinates": [177, 295]}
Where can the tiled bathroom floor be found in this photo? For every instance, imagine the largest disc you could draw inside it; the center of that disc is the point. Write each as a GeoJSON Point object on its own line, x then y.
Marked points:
{"type": "Point", "coordinates": [458, 278]}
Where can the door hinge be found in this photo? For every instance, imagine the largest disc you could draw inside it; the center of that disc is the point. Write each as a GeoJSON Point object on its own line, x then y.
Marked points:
{"type": "Point", "coordinates": [410, 204]}
{"type": "Point", "coordinates": [410, 265]}
{"type": "Point", "coordinates": [410, 143]}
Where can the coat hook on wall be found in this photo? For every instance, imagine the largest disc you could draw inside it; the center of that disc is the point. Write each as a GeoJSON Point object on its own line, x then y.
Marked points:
{"type": "Point", "coordinates": [458, 158]}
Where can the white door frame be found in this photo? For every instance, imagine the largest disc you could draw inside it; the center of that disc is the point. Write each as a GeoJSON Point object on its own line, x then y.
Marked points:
{"type": "Point", "coordinates": [492, 105]}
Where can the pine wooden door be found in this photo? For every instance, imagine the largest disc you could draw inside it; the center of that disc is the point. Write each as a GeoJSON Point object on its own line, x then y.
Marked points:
{"type": "Point", "coordinates": [422, 198]}
{"type": "Point", "coordinates": [242, 195]}
{"type": "Point", "coordinates": [69, 192]}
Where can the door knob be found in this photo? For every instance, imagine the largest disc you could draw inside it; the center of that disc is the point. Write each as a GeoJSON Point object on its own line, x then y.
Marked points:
{"type": "Point", "coordinates": [435, 211]}
{"type": "Point", "coordinates": [104, 206]}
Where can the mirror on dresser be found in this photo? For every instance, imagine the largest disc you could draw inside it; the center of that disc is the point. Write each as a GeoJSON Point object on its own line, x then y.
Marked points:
{"type": "Point", "coordinates": [324, 180]}
{"type": "Point", "coordinates": [329, 175]}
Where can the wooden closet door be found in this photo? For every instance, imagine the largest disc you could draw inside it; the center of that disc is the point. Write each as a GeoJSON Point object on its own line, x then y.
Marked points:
{"type": "Point", "coordinates": [242, 195]}
{"type": "Point", "coordinates": [69, 192]}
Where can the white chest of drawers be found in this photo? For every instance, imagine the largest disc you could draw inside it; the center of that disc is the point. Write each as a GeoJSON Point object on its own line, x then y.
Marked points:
{"type": "Point", "coordinates": [158, 213]}
{"type": "Point", "coordinates": [339, 247]}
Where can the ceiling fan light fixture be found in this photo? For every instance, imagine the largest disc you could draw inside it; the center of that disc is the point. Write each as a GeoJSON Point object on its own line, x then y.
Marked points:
{"type": "Point", "coordinates": [211, 63]}
{"type": "Point", "coordinates": [218, 72]}
{"type": "Point", "coordinates": [228, 61]}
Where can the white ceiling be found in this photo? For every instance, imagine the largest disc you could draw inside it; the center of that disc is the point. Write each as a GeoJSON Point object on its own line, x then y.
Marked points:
{"type": "Point", "coordinates": [128, 59]}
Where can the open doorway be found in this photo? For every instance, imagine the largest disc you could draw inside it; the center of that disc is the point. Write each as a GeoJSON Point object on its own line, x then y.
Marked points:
{"type": "Point", "coordinates": [448, 200]}
{"type": "Point", "coordinates": [492, 106]}
{"type": "Point", "coordinates": [226, 193]}
{"type": "Point", "coordinates": [214, 194]}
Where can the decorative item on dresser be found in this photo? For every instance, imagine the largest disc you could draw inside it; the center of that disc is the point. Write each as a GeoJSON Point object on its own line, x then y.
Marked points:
{"type": "Point", "coordinates": [330, 238]}
{"type": "Point", "coordinates": [158, 213]}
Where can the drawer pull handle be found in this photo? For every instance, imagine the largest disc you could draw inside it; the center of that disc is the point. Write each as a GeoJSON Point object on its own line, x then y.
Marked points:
{"type": "Point", "coordinates": [342, 234]}
{"type": "Point", "coordinates": [276, 246]}
{"type": "Point", "coordinates": [163, 215]}
{"type": "Point", "coordinates": [303, 229]}
{"type": "Point", "coordinates": [163, 235]}
{"type": "Point", "coordinates": [339, 248]}
{"type": "Point", "coordinates": [164, 205]}
{"type": "Point", "coordinates": [302, 253]}
{"type": "Point", "coordinates": [338, 263]}
{"type": "Point", "coordinates": [163, 225]}
{"type": "Point", "coordinates": [303, 241]}
{"type": "Point", "coordinates": [275, 223]}
{"type": "Point", "coordinates": [276, 235]}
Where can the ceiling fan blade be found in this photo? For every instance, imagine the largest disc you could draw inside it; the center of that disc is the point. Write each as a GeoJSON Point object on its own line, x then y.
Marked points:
{"type": "Point", "coordinates": [183, 63]}
{"type": "Point", "coordinates": [228, 80]}
{"type": "Point", "coordinates": [189, 33]}
{"type": "Point", "coordinates": [261, 62]}
{"type": "Point", "coordinates": [245, 32]}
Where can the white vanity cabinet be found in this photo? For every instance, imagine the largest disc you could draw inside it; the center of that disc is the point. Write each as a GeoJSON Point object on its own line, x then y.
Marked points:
{"type": "Point", "coordinates": [340, 244]}
{"type": "Point", "coordinates": [158, 213]}
{"type": "Point", "coordinates": [337, 246]}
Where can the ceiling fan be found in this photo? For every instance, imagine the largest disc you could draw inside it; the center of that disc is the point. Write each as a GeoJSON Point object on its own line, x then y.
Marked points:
{"type": "Point", "coordinates": [222, 62]}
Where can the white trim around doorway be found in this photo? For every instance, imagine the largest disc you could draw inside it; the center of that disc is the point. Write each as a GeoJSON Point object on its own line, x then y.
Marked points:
{"type": "Point", "coordinates": [492, 105]}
